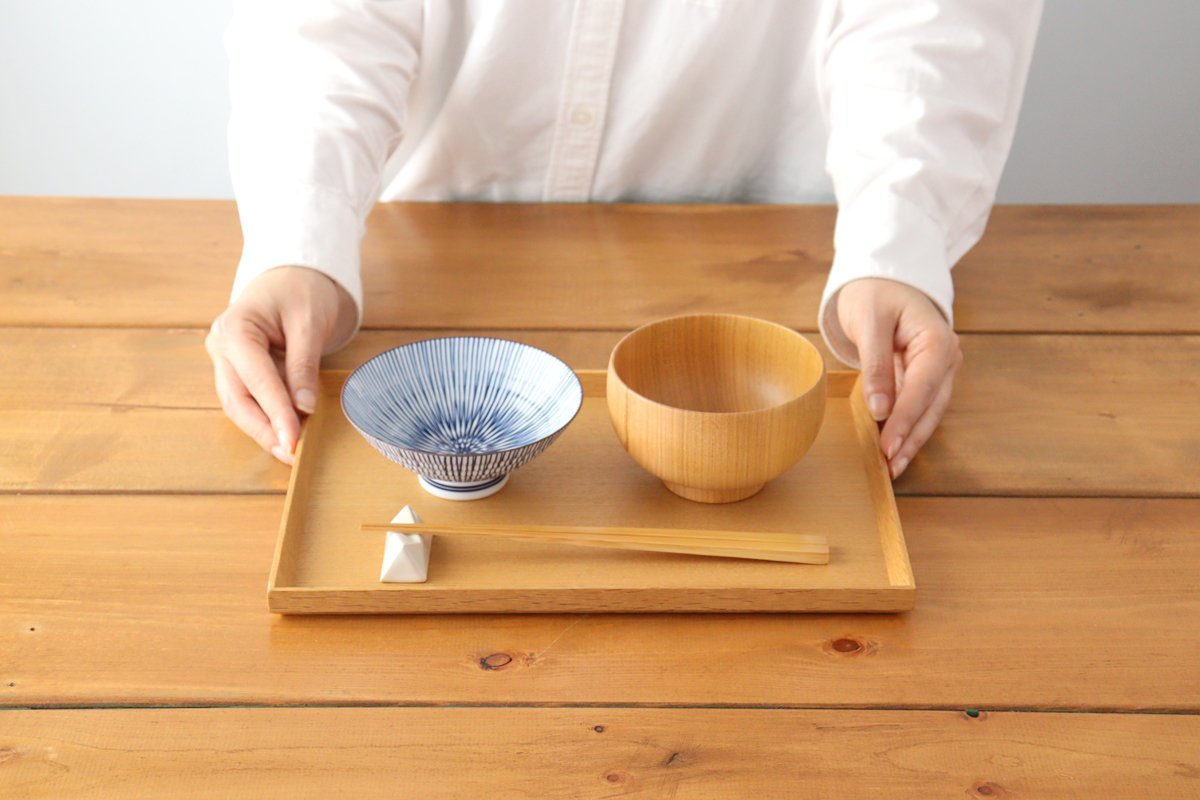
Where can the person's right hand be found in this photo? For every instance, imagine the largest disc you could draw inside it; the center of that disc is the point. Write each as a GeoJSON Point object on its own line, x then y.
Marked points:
{"type": "Point", "coordinates": [909, 356]}
{"type": "Point", "coordinates": [293, 310]}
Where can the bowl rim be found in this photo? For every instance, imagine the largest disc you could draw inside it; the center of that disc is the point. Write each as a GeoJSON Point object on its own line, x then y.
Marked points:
{"type": "Point", "coordinates": [613, 373]}
{"type": "Point", "coordinates": [458, 456]}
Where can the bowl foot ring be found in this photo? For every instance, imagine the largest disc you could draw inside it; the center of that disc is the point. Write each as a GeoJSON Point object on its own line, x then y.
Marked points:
{"type": "Point", "coordinates": [455, 490]}
{"type": "Point", "coordinates": [714, 495]}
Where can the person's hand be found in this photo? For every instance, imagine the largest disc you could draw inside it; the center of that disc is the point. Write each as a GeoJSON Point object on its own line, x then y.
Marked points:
{"type": "Point", "coordinates": [909, 356]}
{"type": "Point", "coordinates": [290, 310]}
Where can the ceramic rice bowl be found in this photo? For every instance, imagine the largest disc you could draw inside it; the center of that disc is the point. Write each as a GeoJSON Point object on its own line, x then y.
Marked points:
{"type": "Point", "coordinates": [462, 412]}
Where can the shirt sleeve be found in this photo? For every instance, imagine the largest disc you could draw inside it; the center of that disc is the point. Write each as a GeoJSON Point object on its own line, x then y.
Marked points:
{"type": "Point", "coordinates": [318, 91]}
{"type": "Point", "coordinates": [921, 98]}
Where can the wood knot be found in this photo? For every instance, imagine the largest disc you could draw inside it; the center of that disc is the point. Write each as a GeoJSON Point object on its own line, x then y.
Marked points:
{"type": "Point", "coordinates": [849, 646]}
{"type": "Point", "coordinates": [614, 778]}
{"type": "Point", "coordinates": [599, 729]}
{"type": "Point", "coordinates": [495, 661]}
{"type": "Point", "coordinates": [989, 790]}
{"type": "Point", "coordinates": [975, 713]}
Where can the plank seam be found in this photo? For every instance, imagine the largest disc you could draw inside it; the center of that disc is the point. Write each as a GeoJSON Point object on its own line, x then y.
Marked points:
{"type": "Point", "coordinates": [49, 325]}
{"type": "Point", "coordinates": [900, 495]}
{"type": "Point", "coordinates": [618, 706]}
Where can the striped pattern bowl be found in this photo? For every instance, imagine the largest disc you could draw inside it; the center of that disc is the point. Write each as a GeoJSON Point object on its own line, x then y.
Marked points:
{"type": "Point", "coordinates": [462, 412]}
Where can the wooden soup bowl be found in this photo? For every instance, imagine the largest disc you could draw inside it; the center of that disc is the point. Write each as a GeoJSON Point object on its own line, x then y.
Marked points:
{"type": "Point", "coordinates": [716, 405]}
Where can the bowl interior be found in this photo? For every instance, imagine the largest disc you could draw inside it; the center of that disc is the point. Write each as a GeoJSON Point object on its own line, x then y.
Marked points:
{"type": "Point", "coordinates": [717, 363]}
{"type": "Point", "coordinates": [462, 395]}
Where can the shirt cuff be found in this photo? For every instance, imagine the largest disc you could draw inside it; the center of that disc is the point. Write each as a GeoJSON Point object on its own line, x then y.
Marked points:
{"type": "Point", "coordinates": [886, 238]}
{"type": "Point", "coordinates": [305, 227]}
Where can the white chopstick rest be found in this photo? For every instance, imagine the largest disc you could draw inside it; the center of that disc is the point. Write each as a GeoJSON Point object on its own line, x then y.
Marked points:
{"type": "Point", "coordinates": [406, 555]}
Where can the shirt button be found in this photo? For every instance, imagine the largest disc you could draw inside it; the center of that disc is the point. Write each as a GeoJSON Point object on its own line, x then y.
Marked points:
{"type": "Point", "coordinates": [582, 116]}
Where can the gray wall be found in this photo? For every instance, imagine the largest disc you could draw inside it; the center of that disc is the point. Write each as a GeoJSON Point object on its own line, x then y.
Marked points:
{"type": "Point", "coordinates": [1112, 109]}
{"type": "Point", "coordinates": [127, 98]}
{"type": "Point", "coordinates": [122, 98]}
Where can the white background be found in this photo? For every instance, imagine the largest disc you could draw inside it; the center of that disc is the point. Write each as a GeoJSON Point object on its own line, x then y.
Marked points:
{"type": "Point", "coordinates": [127, 98]}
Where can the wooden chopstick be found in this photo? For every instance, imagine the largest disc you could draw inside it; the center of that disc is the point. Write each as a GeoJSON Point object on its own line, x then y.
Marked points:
{"type": "Point", "coordinates": [793, 548]}
{"type": "Point", "coordinates": [573, 530]}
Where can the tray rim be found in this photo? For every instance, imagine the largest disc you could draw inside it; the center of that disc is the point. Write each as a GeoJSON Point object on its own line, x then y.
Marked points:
{"type": "Point", "coordinates": [898, 596]}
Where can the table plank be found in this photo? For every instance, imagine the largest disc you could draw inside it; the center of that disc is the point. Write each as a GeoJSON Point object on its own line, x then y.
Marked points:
{"type": "Point", "coordinates": [1022, 603]}
{"type": "Point", "coordinates": [1068, 416]}
{"type": "Point", "coordinates": [68, 261]}
{"type": "Point", "coordinates": [170, 263]}
{"type": "Point", "coordinates": [93, 410]}
{"type": "Point", "coordinates": [694, 753]}
{"type": "Point", "coordinates": [168, 368]}
{"type": "Point", "coordinates": [1098, 269]}
{"type": "Point", "coordinates": [128, 447]}
{"type": "Point", "coordinates": [102, 410]}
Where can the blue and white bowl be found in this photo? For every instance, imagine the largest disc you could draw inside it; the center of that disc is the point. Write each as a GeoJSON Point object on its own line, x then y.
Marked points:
{"type": "Point", "coordinates": [462, 412]}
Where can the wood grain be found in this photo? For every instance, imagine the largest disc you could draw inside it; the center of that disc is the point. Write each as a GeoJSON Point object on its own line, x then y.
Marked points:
{"type": "Point", "coordinates": [168, 368]}
{"type": "Point", "coordinates": [171, 263]}
{"type": "Point", "coordinates": [1101, 269]}
{"type": "Point", "coordinates": [879, 484]}
{"type": "Point", "coordinates": [1052, 604]}
{"type": "Point", "coordinates": [1068, 416]}
{"type": "Point", "coordinates": [716, 405]}
{"type": "Point", "coordinates": [67, 261]}
{"type": "Point", "coordinates": [572, 752]}
{"type": "Point", "coordinates": [132, 449]}
{"type": "Point", "coordinates": [116, 410]}
{"type": "Point", "coordinates": [129, 367]}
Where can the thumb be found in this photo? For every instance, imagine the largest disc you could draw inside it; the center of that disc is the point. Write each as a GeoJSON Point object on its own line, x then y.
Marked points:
{"type": "Point", "coordinates": [876, 354]}
{"type": "Point", "coordinates": [302, 359]}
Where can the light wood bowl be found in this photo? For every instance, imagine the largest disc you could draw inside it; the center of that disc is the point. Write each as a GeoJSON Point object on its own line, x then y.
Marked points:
{"type": "Point", "coordinates": [716, 405]}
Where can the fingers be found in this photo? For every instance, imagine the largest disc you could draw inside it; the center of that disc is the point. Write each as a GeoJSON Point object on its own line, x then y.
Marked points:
{"type": "Point", "coordinates": [909, 356]}
{"type": "Point", "coordinates": [876, 352]}
{"type": "Point", "coordinates": [924, 428]}
{"type": "Point", "coordinates": [246, 373]}
{"type": "Point", "coordinates": [302, 360]}
{"type": "Point", "coordinates": [257, 372]}
{"type": "Point", "coordinates": [242, 409]}
{"type": "Point", "coordinates": [929, 381]}
{"type": "Point", "coordinates": [266, 348]}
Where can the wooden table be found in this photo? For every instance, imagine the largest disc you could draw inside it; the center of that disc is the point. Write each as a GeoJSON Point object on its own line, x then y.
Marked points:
{"type": "Point", "coordinates": [1053, 523]}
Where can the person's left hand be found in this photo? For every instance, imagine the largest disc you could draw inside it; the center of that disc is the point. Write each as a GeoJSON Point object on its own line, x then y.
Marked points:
{"type": "Point", "coordinates": [909, 356]}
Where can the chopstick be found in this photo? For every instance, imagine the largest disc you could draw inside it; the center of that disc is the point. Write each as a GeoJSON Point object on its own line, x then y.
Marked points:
{"type": "Point", "coordinates": [788, 547]}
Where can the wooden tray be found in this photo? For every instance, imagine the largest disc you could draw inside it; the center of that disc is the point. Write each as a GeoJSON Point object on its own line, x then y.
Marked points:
{"type": "Point", "coordinates": [325, 565]}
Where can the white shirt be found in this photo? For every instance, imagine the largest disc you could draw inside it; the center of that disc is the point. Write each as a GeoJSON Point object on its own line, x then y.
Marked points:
{"type": "Point", "coordinates": [902, 109]}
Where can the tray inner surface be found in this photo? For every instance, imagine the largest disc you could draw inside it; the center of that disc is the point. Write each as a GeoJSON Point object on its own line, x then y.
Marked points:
{"type": "Point", "coordinates": [585, 478]}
